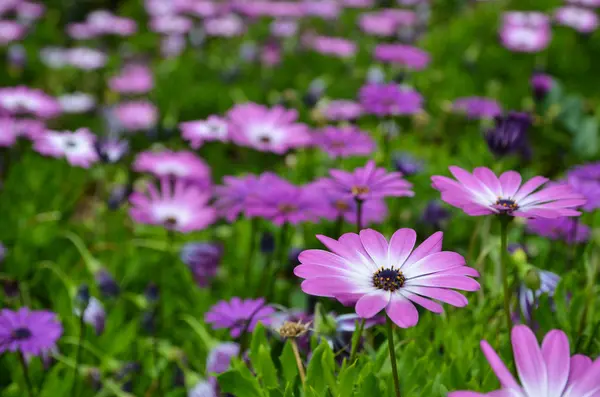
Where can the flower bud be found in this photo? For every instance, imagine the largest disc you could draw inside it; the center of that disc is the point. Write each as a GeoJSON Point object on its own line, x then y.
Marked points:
{"type": "Point", "coordinates": [532, 279]}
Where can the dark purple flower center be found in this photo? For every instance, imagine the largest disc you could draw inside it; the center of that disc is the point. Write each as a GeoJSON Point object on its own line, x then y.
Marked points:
{"type": "Point", "coordinates": [506, 205]}
{"type": "Point", "coordinates": [287, 208]}
{"type": "Point", "coordinates": [342, 206]}
{"type": "Point", "coordinates": [358, 190]}
{"type": "Point", "coordinates": [338, 144]}
{"type": "Point", "coordinates": [264, 139]}
{"type": "Point", "coordinates": [388, 279]}
{"type": "Point", "coordinates": [70, 143]}
{"type": "Point", "coordinates": [21, 333]}
{"type": "Point", "coordinates": [170, 222]}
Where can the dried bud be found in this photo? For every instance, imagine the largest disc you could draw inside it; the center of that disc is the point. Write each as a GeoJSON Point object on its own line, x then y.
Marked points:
{"type": "Point", "coordinates": [293, 330]}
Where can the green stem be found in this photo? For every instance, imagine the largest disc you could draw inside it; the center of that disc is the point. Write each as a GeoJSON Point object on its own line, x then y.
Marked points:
{"type": "Point", "coordinates": [504, 268]}
{"type": "Point", "coordinates": [359, 208]}
{"type": "Point", "coordinates": [339, 225]}
{"type": "Point", "coordinates": [271, 275]}
{"type": "Point", "coordinates": [251, 250]}
{"type": "Point", "coordinates": [390, 329]}
{"type": "Point", "coordinates": [26, 374]}
{"type": "Point", "coordinates": [361, 327]}
{"type": "Point", "coordinates": [75, 385]}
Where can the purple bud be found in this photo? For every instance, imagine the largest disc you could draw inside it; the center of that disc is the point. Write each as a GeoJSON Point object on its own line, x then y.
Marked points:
{"type": "Point", "coordinates": [541, 84]}
{"type": "Point", "coordinates": [203, 260]}
{"type": "Point", "coordinates": [434, 215]}
{"type": "Point", "coordinates": [118, 196]}
{"type": "Point", "coordinates": [152, 293]}
{"type": "Point", "coordinates": [509, 135]}
{"type": "Point", "coordinates": [107, 284]}
{"type": "Point", "coordinates": [95, 315]}
{"type": "Point", "coordinates": [2, 252]}
{"type": "Point", "coordinates": [220, 357]}
{"type": "Point", "coordinates": [407, 164]}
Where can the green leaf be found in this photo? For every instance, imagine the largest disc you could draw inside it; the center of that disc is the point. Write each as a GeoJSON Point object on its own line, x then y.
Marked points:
{"type": "Point", "coordinates": [240, 383]}
{"type": "Point", "coordinates": [571, 113]}
{"type": "Point", "coordinates": [204, 336]}
{"type": "Point", "coordinates": [259, 338]}
{"type": "Point", "coordinates": [369, 387]}
{"type": "Point", "coordinates": [586, 139]}
{"type": "Point", "coordinates": [265, 368]}
{"type": "Point", "coordinates": [321, 367]}
{"type": "Point", "coordinates": [347, 379]}
{"type": "Point", "coordinates": [289, 390]}
{"type": "Point", "coordinates": [288, 363]}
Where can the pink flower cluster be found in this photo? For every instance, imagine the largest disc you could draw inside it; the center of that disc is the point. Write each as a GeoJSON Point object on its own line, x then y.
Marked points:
{"type": "Point", "coordinates": [101, 23]}
{"type": "Point", "coordinates": [525, 31]}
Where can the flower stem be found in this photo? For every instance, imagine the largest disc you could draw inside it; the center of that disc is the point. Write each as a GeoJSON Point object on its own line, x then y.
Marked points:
{"type": "Point", "coordinates": [251, 250]}
{"type": "Point", "coordinates": [75, 385]}
{"type": "Point", "coordinates": [26, 374]}
{"type": "Point", "coordinates": [298, 360]}
{"type": "Point", "coordinates": [271, 275]}
{"type": "Point", "coordinates": [390, 329]}
{"type": "Point", "coordinates": [504, 268]}
{"type": "Point", "coordinates": [339, 225]}
{"type": "Point", "coordinates": [361, 327]}
{"type": "Point", "coordinates": [359, 208]}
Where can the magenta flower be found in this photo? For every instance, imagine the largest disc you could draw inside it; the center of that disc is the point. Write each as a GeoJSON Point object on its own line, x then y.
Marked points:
{"type": "Point", "coordinates": [326, 9]}
{"type": "Point", "coordinates": [525, 31]}
{"type": "Point", "coordinates": [390, 100]}
{"type": "Point", "coordinates": [170, 24]}
{"type": "Point", "coordinates": [541, 84]}
{"type": "Point", "coordinates": [30, 332]}
{"type": "Point", "coordinates": [378, 24]}
{"type": "Point", "coordinates": [585, 3]}
{"type": "Point", "coordinates": [369, 182]}
{"type": "Point", "coordinates": [403, 55]}
{"type": "Point", "coordinates": [284, 27]}
{"type": "Point", "coordinates": [344, 141]}
{"type": "Point", "coordinates": [181, 207]}
{"type": "Point", "coordinates": [77, 147]}
{"type": "Point", "coordinates": [342, 110]}
{"type": "Point", "coordinates": [8, 132]}
{"type": "Point", "coordinates": [24, 100]}
{"type": "Point", "coordinates": [239, 315]}
{"type": "Point", "coordinates": [280, 201]}
{"type": "Point", "coordinates": [374, 274]}
{"type": "Point", "coordinates": [232, 196]}
{"type": "Point", "coordinates": [483, 193]}
{"type": "Point", "coordinates": [335, 46]}
{"type": "Point", "coordinates": [76, 102]}
{"type": "Point", "coordinates": [478, 107]}
{"type": "Point", "coordinates": [584, 180]}
{"type": "Point", "coordinates": [229, 25]}
{"type": "Point", "coordinates": [182, 165]}
{"type": "Point", "coordinates": [267, 130]}
{"type": "Point", "coordinates": [133, 79]}
{"type": "Point", "coordinates": [11, 31]}
{"type": "Point", "coordinates": [332, 204]}
{"type": "Point", "coordinates": [86, 58]}
{"type": "Point", "coordinates": [214, 128]}
{"type": "Point", "coordinates": [566, 229]}
{"type": "Point", "coordinates": [544, 372]}
{"type": "Point", "coordinates": [136, 115]}
{"type": "Point", "coordinates": [580, 19]}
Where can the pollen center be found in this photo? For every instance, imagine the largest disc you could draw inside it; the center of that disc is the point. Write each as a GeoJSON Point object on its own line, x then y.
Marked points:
{"type": "Point", "coordinates": [388, 279]}
{"type": "Point", "coordinates": [287, 208]}
{"type": "Point", "coordinates": [70, 143]}
{"type": "Point", "coordinates": [264, 139]}
{"type": "Point", "coordinates": [342, 206]}
{"type": "Point", "coordinates": [20, 333]}
{"type": "Point", "coordinates": [170, 221]}
{"type": "Point", "coordinates": [358, 190]}
{"type": "Point", "coordinates": [506, 205]}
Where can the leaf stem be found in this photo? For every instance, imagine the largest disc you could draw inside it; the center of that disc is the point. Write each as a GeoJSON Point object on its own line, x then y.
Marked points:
{"type": "Point", "coordinates": [26, 374]}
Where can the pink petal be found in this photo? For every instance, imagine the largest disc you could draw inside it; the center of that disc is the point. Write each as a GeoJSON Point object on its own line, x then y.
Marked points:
{"type": "Point", "coordinates": [376, 245]}
{"type": "Point", "coordinates": [372, 303]}
{"type": "Point", "coordinates": [529, 361]}
{"type": "Point", "coordinates": [502, 373]}
{"type": "Point", "coordinates": [314, 271]}
{"type": "Point", "coordinates": [444, 281]}
{"type": "Point", "coordinates": [424, 302]}
{"type": "Point", "coordinates": [490, 179]}
{"type": "Point", "coordinates": [529, 187]}
{"type": "Point", "coordinates": [434, 263]}
{"type": "Point", "coordinates": [400, 247]}
{"type": "Point", "coordinates": [474, 185]}
{"type": "Point", "coordinates": [431, 245]}
{"type": "Point", "coordinates": [587, 382]}
{"type": "Point", "coordinates": [579, 365]}
{"type": "Point", "coordinates": [510, 181]}
{"type": "Point", "coordinates": [331, 286]}
{"type": "Point", "coordinates": [555, 350]}
{"type": "Point", "coordinates": [448, 296]}
{"type": "Point", "coordinates": [402, 312]}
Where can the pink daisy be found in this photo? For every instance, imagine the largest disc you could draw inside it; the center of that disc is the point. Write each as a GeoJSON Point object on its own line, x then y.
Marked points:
{"type": "Point", "coordinates": [483, 193]}
{"type": "Point", "coordinates": [335, 46]}
{"type": "Point", "coordinates": [24, 100]}
{"type": "Point", "coordinates": [214, 128]}
{"type": "Point", "coordinates": [133, 79]}
{"type": "Point", "coordinates": [267, 130]}
{"type": "Point", "coordinates": [344, 141]}
{"type": "Point", "coordinates": [342, 110]}
{"type": "Point", "coordinates": [580, 19]}
{"type": "Point", "coordinates": [181, 207]}
{"type": "Point", "coordinates": [8, 132]}
{"type": "Point", "coordinates": [182, 165]}
{"type": "Point", "coordinates": [229, 25]}
{"type": "Point", "coordinates": [546, 371]}
{"type": "Point", "coordinates": [232, 196]}
{"type": "Point", "coordinates": [374, 274]}
{"type": "Point", "coordinates": [401, 54]}
{"type": "Point", "coordinates": [369, 182]}
{"type": "Point", "coordinates": [136, 115]}
{"type": "Point", "coordinates": [525, 31]}
{"type": "Point", "coordinates": [77, 147]}
{"type": "Point", "coordinates": [11, 31]}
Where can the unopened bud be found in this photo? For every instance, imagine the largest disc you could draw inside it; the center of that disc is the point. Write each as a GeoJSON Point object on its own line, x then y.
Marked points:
{"type": "Point", "coordinates": [532, 280]}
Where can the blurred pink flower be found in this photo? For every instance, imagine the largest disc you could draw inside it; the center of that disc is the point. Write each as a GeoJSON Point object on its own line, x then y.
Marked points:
{"type": "Point", "coordinates": [136, 115]}
{"type": "Point", "coordinates": [229, 25]}
{"type": "Point", "coordinates": [182, 165]}
{"type": "Point", "coordinates": [133, 79]}
{"type": "Point", "coordinates": [403, 55]}
{"type": "Point", "coordinates": [77, 147]}
{"type": "Point", "coordinates": [580, 19]}
{"type": "Point", "coordinates": [11, 31]}
{"type": "Point", "coordinates": [24, 100]}
{"type": "Point", "coordinates": [335, 46]}
{"type": "Point", "coordinates": [214, 128]}
{"type": "Point", "coordinates": [525, 31]}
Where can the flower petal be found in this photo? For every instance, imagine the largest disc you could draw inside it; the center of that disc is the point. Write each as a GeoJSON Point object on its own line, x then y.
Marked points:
{"type": "Point", "coordinates": [372, 303]}
{"type": "Point", "coordinates": [376, 245]}
{"type": "Point", "coordinates": [431, 245]}
{"type": "Point", "coordinates": [402, 312]}
{"type": "Point", "coordinates": [506, 379]}
{"type": "Point", "coordinates": [400, 247]}
{"type": "Point", "coordinates": [529, 361]}
{"type": "Point", "coordinates": [555, 350]}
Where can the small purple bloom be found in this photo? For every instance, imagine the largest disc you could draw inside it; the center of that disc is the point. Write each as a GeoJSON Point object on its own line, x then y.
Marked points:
{"type": "Point", "coordinates": [403, 55]}
{"type": "Point", "coordinates": [2, 252]}
{"type": "Point", "coordinates": [585, 179]}
{"type": "Point", "coordinates": [94, 315]}
{"type": "Point", "coordinates": [581, 19]}
{"type": "Point", "coordinates": [407, 164]}
{"type": "Point", "coordinates": [525, 31]}
{"type": "Point", "coordinates": [30, 332]}
{"type": "Point", "coordinates": [509, 135]}
{"type": "Point", "coordinates": [390, 100]}
{"type": "Point", "coordinates": [435, 214]}
{"type": "Point", "coordinates": [202, 389]}
{"type": "Point", "coordinates": [111, 149]}
{"type": "Point", "coordinates": [203, 260]}
{"type": "Point", "coordinates": [541, 85]}
{"type": "Point", "coordinates": [344, 141]}
{"type": "Point", "coordinates": [239, 315]}
{"type": "Point", "coordinates": [342, 110]}
{"type": "Point", "coordinates": [570, 230]}
{"type": "Point", "coordinates": [529, 299]}
{"type": "Point", "coordinates": [477, 107]}
{"type": "Point", "coordinates": [106, 283]}
{"type": "Point", "coordinates": [219, 357]}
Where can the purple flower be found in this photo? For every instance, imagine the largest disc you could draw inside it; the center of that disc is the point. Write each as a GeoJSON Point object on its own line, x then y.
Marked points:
{"type": "Point", "coordinates": [379, 24]}
{"type": "Point", "coordinates": [404, 55]}
{"type": "Point", "coordinates": [136, 115]}
{"type": "Point", "coordinates": [268, 130]}
{"type": "Point", "coordinates": [94, 315]}
{"type": "Point", "coordinates": [106, 283]}
{"type": "Point", "coordinates": [434, 215]}
{"type": "Point", "coordinates": [525, 31]}
{"type": "Point", "coordinates": [541, 85]}
{"type": "Point", "coordinates": [203, 389]}
{"type": "Point", "coordinates": [133, 79]}
{"type": "Point", "coordinates": [214, 128]}
{"type": "Point", "coordinates": [478, 107]}
{"type": "Point", "coordinates": [566, 229]}
{"type": "Point", "coordinates": [77, 102]}
{"type": "Point", "coordinates": [86, 58]}
{"type": "Point", "coordinates": [284, 27]}
{"type": "Point", "coordinates": [29, 332]}
{"type": "Point", "coordinates": [585, 180]}
{"type": "Point", "coordinates": [280, 201]}
{"type": "Point", "coordinates": [219, 357]}
{"type": "Point", "coordinates": [171, 24]}
{"type": "Point", "coordinates": [2, 252]}
{"type": "Point", "coordinates": [77, 147]}
{"type": "Point", "coordinates": [111, 149]}
{"type": "Point", "coordinates": [24, 100]}
{"type": "Point", "coordinates": [407, 164]}
{"type": "Point", "coordinates": [239, 315]}
{"type": "Point", "coordinates": [483, 193]}
{"type": "Point", "coordinates": [369, 182]}
{"type": "Point", "coordinates": [528, 298]}
{"type": "Point", "coordinates": [344, 141]}
{"type": "Point", "coordinates": [203, 260]}
{"type": "Point", "coordinates": [229, 25]}
{"type": "Point", "coordinates": [181, 207]}
{"type": "Point", "coordinates": [183, 165]}
{"type": "Point", "coordinates": [233, 194]}
{"type": "Point", "coordinates": [342, 110]}
{"type": "Point", "coordinates": [332, 204]}
{"type": "Point", "coordinates": [509, 135]}
{"type": "Point", "coordinates": [335, 46]}
{"type": "Point", "coordinates": [390, 100]}
{"type": "Point", "coordinates": [581, 19]}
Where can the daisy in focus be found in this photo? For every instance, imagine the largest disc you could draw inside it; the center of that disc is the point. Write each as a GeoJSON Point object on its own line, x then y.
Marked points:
{"type": "Point", "coordinates": [373, 274]}
{"type": "Point", "coordinates": [483, 193]}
